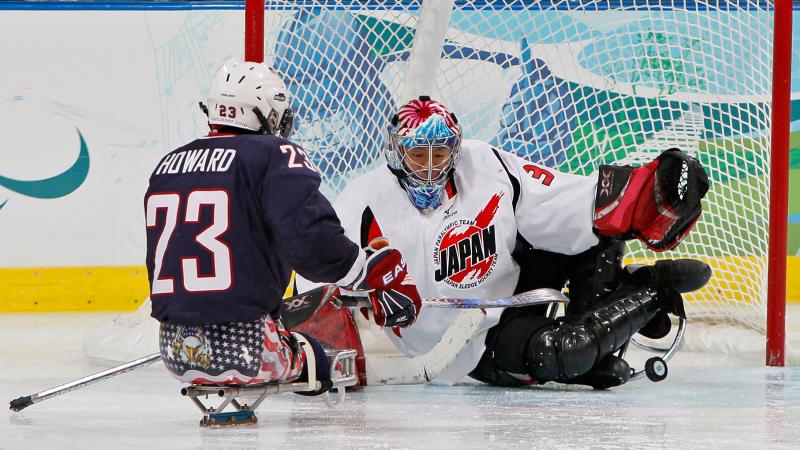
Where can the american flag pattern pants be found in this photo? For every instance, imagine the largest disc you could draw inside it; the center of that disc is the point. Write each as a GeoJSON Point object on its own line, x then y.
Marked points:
{"type": "Point", "coordinates": [231, 353]}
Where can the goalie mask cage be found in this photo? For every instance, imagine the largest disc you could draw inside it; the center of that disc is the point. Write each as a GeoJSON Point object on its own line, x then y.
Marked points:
{"type": "Point", "coordinates": [570, 85]}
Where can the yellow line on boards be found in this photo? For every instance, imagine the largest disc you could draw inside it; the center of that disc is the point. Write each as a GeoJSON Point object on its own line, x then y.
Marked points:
{"type": "Point", "coordinates": [56, 289]}
{"type": "Point", "coordinates": [124, 288]}
{"type": "Point", "coordinates": [793, 279]}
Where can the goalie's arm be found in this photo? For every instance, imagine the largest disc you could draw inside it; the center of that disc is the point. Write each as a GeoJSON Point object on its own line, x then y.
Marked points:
{"type": "Point", "coordinates": [553, 209]}
{"type": "Point", "coordinates": [658, 203]}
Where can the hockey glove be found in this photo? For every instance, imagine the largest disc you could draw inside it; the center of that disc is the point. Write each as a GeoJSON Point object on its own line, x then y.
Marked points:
{"type": "Point", "coordinates": [658, 203]}
{"type": "Point", "coordinates": [383, 269]}
{"type": "Point", "coordinates": [395, 307]}
{"type": "Point", "coordinates": [394, 297]}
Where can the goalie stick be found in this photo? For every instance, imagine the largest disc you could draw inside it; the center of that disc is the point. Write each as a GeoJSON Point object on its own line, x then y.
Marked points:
{"type": "Point", "coordinates": [296, 310]}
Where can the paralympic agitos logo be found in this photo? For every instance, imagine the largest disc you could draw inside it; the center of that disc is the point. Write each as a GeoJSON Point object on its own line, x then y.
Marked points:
{"type": "Point", "coordinates": [466, 250]}
{"type": "Point", "coordinates": [56, 186]}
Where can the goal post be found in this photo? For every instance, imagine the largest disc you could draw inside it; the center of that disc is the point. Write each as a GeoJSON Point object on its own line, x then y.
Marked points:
{"type": "Point", "coordinates": [779, 185]}
{"type": "Point", "coordinates": [254, 31]}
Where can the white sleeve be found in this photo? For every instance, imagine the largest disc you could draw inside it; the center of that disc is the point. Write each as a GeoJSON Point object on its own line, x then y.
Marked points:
{"type": "Point", "coordinates": [349, 207]}
{"type": "Point", "coordinates": [554, 210]}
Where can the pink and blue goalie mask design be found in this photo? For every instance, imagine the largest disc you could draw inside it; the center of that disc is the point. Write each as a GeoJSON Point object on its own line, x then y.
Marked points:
{"type": "Point", "coordinates": [425, 130]}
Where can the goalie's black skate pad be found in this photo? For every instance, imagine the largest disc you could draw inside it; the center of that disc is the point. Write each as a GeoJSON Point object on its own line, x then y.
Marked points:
{"type": "Point", "coordinates": [683, 275]}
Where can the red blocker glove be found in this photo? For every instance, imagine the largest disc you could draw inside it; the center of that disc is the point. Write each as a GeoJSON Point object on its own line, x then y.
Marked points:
{"type": "Point", "coordinates": [658, 203]}
{"type": "Point", "coordinates": [394, 297]}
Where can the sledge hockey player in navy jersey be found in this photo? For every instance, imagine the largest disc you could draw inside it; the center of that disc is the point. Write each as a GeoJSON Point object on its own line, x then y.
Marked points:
{"type": "Point", "coordinates": [228, 217]}
{"type": "Point", "coordinates": [475, 221]}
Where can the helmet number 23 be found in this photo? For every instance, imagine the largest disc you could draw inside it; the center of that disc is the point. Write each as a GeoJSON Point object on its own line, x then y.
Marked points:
{"type": "Point", "coordinates": [227, 111]}
{"type": "Point", "coordinates": [221, 278]}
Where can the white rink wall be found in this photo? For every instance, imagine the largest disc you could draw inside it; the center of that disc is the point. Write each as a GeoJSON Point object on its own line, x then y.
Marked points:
{"type": "Point", "coordinates": [129, 81]}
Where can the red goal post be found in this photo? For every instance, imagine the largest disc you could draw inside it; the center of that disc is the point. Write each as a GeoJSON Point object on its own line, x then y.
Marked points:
{"type": "Point", "coordinates": [779, 190]}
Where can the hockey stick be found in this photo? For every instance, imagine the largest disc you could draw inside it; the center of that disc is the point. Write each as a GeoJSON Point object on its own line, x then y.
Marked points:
{"type": "Point", "coordinates": [23, 402]}
{"type": "Point", "coordinates": [296, 310]}
{"type": "Point", "coordinates": [399, 369]}
{"type": "Point", "coordinates": [543, 296]}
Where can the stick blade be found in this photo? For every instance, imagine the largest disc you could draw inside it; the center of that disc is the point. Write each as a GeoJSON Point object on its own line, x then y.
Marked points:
{"type": "Point", "coordinates": [541, 296]}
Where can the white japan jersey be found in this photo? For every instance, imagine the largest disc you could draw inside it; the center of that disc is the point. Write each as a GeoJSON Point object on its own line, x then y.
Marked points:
{"type": "Point", "coordinates": [463, 248]}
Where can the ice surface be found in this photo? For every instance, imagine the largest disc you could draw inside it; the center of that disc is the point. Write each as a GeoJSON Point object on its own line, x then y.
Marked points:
{"type": "Point", "coordinates": [708, 401]}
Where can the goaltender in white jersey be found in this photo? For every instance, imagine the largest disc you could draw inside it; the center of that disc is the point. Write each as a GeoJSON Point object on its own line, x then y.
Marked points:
{"type": "Point", "coordinates": [463, 247]}
{"type": "Point", "coordinates": [458, 210]}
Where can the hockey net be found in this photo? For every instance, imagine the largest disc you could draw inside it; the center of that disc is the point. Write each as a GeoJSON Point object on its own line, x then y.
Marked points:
{"type": "Point", "coordinates": [568, 84]}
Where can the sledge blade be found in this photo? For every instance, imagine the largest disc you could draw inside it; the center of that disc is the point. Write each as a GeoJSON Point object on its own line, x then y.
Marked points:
{"type": "Point", "coordinates": [222, 419]}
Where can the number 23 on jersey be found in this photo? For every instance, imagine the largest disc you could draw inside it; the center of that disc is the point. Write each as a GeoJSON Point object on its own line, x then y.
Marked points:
{"type": "Point", "coordinates": [208, 239]}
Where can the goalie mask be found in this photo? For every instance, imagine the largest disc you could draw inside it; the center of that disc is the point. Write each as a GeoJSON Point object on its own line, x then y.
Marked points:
{"type": "Point", "coordinates": [250, 96]}
{"type": "Point", "coordinates": [422, 149]}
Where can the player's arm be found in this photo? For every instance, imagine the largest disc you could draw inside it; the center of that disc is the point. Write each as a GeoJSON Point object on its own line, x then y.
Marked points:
{"type": "Point", "coordinates": [553, 209]}
{"type": "Point", "coordinates": [657, 203]}
{"type": "Point", "coordinates": [350, 223]}
{"type": "Point", "coordinates": [307, 231]}
{"type": "Point", "coordinates": [313, 242]}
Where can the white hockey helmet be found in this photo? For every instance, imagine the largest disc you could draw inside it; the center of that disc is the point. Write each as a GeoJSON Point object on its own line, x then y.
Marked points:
{"type": "Point", "coordinates": [251, 96]}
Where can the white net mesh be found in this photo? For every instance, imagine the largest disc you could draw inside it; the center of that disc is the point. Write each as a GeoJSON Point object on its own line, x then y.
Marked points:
{"type": "Point", "coordinates": [569, 84]}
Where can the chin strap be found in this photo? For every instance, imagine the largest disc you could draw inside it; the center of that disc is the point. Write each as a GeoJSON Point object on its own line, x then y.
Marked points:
{"type": "Point", "coordinates": [402, 177]}
{"type": "Point", "coordinates": [262, 120]}
{"type": "Point", "coordinates": [284, 129]}
{"type": "Point", "coordinates": [204, 108]}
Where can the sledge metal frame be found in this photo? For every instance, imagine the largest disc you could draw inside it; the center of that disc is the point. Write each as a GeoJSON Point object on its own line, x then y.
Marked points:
{"type": "Point", "coordinates": [343, 374]}
{"type": "Point", "coordinates": [665, 353]}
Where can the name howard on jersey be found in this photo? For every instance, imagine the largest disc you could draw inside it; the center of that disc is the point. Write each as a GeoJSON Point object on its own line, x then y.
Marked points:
{"type": "Point", "coordinates": [197, 160]}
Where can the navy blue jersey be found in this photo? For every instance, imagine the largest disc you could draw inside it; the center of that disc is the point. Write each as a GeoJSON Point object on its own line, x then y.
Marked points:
{"type": "Point", "coordinates": [228, 217]}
